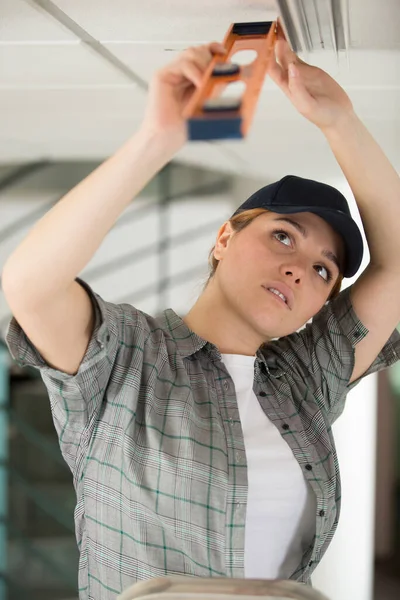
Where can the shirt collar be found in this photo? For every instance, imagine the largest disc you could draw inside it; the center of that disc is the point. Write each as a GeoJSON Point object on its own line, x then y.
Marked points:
{"type": "Point", "coordinates": [188, 343]}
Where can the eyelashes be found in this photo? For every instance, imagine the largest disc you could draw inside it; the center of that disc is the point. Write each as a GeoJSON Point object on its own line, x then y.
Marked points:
{"type": "Point", "coordinates": [329, 275]}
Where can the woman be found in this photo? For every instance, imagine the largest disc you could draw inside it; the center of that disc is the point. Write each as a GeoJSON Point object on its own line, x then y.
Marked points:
{"type": "Point", "coordinates": [203, 445]}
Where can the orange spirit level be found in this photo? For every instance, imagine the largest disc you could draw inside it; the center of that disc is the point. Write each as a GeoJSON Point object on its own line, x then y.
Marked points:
{"type": "Point", "coordinates": [210, 116]}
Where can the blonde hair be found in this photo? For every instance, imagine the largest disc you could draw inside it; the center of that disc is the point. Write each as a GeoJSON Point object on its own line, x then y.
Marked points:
{"type": "Point", "coordinates": [239, 222]}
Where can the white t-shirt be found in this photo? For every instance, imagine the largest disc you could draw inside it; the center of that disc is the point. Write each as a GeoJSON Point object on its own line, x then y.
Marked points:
{"type": "Point", "coordinates": [281, 506]}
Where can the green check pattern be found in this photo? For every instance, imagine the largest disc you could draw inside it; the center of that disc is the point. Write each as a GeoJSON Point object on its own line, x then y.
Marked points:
{"type": "Point", "coordinates": [150, 428]}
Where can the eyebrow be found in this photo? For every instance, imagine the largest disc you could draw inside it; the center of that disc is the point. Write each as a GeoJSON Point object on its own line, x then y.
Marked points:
{"type": "Point", "coordinates": [301, 229]}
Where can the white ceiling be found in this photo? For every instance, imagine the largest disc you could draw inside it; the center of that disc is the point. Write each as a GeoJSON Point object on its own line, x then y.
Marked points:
{"type": "Point", "coordinates": [74, 73]}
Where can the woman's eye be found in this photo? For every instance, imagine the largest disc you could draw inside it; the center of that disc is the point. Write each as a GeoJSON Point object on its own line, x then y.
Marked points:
{"type": "Point", "coordinates": [281, 234]}
{"type": "Point", "coordinates": [327, 274]}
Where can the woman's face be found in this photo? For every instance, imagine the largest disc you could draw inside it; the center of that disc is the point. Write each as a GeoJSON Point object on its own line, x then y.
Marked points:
{"type": "Point", "coordinates": [273, 253]}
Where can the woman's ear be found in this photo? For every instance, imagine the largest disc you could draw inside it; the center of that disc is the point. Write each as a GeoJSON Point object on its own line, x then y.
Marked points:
{"type": "Point", "coordinates": [224, 236]}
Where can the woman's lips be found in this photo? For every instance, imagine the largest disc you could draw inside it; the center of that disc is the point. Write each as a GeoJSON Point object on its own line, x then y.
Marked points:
{"type": "Point", "coordinates": [277, 297]}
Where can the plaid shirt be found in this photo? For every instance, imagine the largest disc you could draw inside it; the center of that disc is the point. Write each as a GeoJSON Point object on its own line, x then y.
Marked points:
{"type": "Point", "coordinates": [150, 428]}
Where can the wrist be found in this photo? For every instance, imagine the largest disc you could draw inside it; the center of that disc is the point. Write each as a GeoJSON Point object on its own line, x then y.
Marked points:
{"type": "Point", "coordinates": [150, 149]}
{"type": "Point", "coordinates": [166, 140]}
{"type": "Point", "coordinates": [345, 123]}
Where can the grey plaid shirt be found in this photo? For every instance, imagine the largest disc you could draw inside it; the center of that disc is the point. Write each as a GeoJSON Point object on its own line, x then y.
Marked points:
{"type": "Point", "coordinates": [150, 428]}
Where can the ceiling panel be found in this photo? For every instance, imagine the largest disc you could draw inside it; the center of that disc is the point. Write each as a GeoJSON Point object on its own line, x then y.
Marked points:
{"type": "Point", "coordinates": [369, 103]}
{"type": "Point", "coordinates": [27, 137]}
{"type": "Point", "coordinates": [93, 121]}
{"type": "Point", "coordinates": [361, 67]}
{"type": "Point", "coordinates": [376, 104]}
{"type": "Point", "coordinates": [213, 156]}
{"type": "Point", "coordinates": [164, 20]}
{"type": "Point", "coordinates": [58, 137]}
{"type": "Point", "coordinates": [86, 103]}
{"type": "Point", "coordinates": [21, 21]}
{"type": "Point", "coordinates": [15, 151]}
{"type": "Point", "coordinates": [385, 17]}
{"type": "Point", "coordinates": [56, 65]}
{"type": "Point", "coordinates": [144, 58]}
{"type": "Point", "coordinates": [278, 147]}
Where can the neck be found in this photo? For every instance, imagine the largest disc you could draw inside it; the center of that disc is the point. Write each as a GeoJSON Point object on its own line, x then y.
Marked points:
{"type": "Point", "coordinates": [215, 320]}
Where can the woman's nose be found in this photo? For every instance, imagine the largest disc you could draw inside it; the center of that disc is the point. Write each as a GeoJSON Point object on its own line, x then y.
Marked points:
{"type": "Point", "coordinates": [295, 271]}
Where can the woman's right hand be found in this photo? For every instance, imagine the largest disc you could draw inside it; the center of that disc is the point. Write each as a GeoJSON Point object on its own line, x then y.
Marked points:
{"type": "Point", "coordinates": [172, 88]}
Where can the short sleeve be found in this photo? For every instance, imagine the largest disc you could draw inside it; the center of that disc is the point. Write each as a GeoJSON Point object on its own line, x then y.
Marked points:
{"type": "Point", "coordinates": [330, 340]}
{"type": "Point", "coordinates": [75, 399]}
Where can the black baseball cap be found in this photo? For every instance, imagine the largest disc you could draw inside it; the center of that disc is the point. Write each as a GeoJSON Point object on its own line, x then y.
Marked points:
{"type": "Point", "coordinates": [293, 194]}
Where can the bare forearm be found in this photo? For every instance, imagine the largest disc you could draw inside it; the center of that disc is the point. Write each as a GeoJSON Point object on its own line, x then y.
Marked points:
{"type": "Point", "coordinates": [375, 185]}
{"type": "Point", "coordinates": [66, 238]}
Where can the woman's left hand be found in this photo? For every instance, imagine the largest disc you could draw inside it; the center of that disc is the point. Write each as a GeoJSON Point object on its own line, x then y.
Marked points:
{"type": "Point", "coordinates": [317, 96]}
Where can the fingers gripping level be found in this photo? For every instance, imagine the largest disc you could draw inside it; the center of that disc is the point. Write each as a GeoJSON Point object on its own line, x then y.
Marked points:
{"type": "Point", "coordinates": [210, 116]}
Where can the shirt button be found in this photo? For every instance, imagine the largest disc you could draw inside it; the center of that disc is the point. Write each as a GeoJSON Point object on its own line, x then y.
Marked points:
{"type": "Point", "coordinates": [310, 564]}
{"type": "Point", "coordinates": [321, 513]}
{"type": "Point", "coordinates": [309, 467]}
{"type": "Point", "coordinates": [226, 385]}
{"type": "Point", "coordinates": [357, 333]}
{"type": "Point", "coordinates": [263, 394]}
{"type": "Point", "coordinates": [285, 426]}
